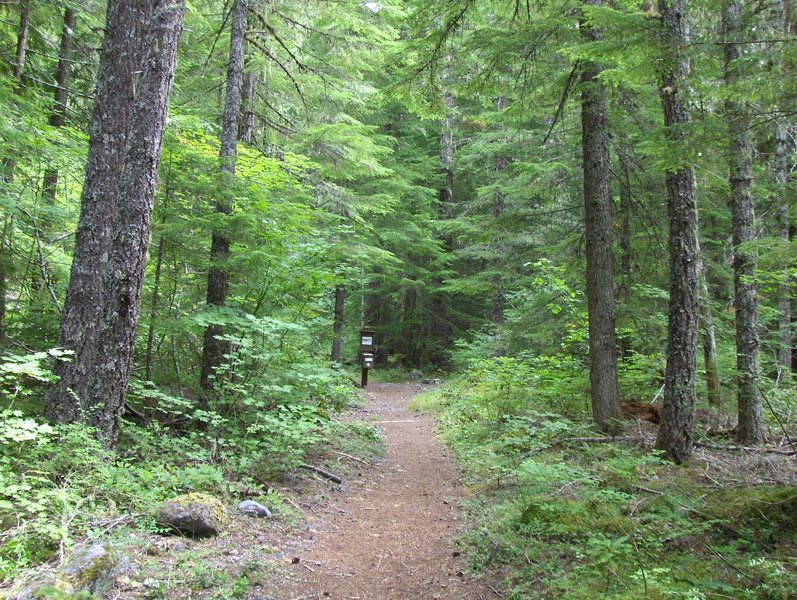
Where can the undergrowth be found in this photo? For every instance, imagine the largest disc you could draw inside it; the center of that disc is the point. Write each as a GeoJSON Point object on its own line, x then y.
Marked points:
{"type": "Point", "coordinates": [59, 487]}
{"type": "Point", "coordinates": [562, 516]}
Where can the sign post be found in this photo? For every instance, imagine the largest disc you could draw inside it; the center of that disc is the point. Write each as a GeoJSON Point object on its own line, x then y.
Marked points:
{"type": "Point", "coordinates": [367, 350]}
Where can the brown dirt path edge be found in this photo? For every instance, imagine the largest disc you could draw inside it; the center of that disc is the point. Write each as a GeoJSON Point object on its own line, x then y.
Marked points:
{"type": "Point", "coordinates": [392, 534]}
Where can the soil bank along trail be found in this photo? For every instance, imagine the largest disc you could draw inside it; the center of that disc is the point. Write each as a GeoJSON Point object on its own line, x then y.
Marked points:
{"type": "Point", "coordinates": [392, 535]}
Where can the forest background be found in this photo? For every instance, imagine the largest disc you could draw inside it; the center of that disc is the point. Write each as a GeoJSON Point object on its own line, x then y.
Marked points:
{"type": "Point", "coordinates": [558, 200]}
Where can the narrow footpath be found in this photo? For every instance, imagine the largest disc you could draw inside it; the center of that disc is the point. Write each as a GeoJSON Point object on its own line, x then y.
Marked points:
{"type": "Point", "coordinates": [392, 535]}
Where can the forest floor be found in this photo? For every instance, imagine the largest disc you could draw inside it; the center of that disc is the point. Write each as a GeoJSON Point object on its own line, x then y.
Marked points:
{"type": "Point", "coordinates": [389, 532]}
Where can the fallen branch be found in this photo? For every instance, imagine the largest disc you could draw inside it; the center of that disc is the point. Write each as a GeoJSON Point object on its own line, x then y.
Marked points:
{"type": "Point", "coordinates": [734, 448]}
{"type": "Point", "coordinates": [323, 473]}
{"type": "Point", "coordinates": [359, 460]}
{"type": "Point", "coordinates": [596, 440]}
{"type": "Point", "coordinates": [648, 490]}
{"type": "Point", "coordinates": [137, 416]}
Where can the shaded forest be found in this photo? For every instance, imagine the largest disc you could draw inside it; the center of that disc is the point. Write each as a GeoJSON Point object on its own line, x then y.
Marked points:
{"type": "Point", "coordinates": [579, 215]}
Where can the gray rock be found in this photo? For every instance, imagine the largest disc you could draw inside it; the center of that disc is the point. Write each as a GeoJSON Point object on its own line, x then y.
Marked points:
{"type": "Point", "coordinates": [195, 515]}
{"type": "Point", "coordinates": [93, 569]}
{"type": "Point", "coordinates": [415, 375]}
{"type": "Point", "coordinates": [43, 586]}
{"type": "Point", "coordinates": [254, 509]}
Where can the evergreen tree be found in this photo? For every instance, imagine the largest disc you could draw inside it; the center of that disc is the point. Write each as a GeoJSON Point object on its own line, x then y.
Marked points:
{"type": "Point", "coordinates": [676, 435]}
{"type": "Point", "coordinates": [751, 424]}
{"type": "Point", "coordinates": [604, 388]}
{"type": "Point", "coordinates": [107, 370]}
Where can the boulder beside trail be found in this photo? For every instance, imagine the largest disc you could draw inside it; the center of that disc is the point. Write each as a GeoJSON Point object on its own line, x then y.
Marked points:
{"type": "Point", "coordinates": [254, 509]}
{"type": "Point", "coordinates": [193, 515]}
{"type": "Point", "coordinates": [91, 569]}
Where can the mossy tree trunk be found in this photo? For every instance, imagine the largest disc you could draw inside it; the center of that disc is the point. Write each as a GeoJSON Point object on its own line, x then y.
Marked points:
{"type": "Point", "coordinates": [122, 51]}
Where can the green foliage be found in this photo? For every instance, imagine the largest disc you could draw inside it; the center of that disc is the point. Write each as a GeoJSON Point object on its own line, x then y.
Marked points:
{"type": "Point", "coordinates": [575, 519]}
{"type": "Point", "coordinates": [492, 389]}
{"type": "Point", "coordinates": [341, 182]}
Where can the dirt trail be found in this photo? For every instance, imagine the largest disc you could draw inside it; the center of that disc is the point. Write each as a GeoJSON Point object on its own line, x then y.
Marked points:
{"type": "Point", "coordinates": [390, 536]}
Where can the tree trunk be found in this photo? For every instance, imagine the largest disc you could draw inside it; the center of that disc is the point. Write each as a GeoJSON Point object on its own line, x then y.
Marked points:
{"type": "Point", "coordinates": [22, 42]}
{"type": "Point", "coordinates": [337, 340]}
{"type": "Point", "coordinates": [128, 260]}
{"type": "Point", "coordinates": [784, 359]}
{"type": "Point", "coordinates": [60, 95]}
{"type": "Point", "coordinates": [153, 309]}
{"type": "Point", "coordinates": [9, 162]}
{"type": "Point", "coordinates": [126, 23]}
{"type": "Point", "coordinates": [246, 128]}
{"type": "Point", "coordinates": [410, 347]}
{"type": "Point", "coordinates": [785, 27]}
{"type": "Point", "coordinates": [214, 349]}
{"type": "Point", "coordinates": [676, 431]}
{"type": "Point", "coordinates": [495, 314]}
{"type": "Point", "coordinates": [740, 155]}
{"type": "Point", "coordinates": [4, 263]}
{"type": "Point", "coordinates": [625, 219]}
{"type": "Point", "coordinates": [708, 335]}
{"type": "Point", "coordinates": [605, 391]}
{"type": "Point", "coordinates": [447, 155]}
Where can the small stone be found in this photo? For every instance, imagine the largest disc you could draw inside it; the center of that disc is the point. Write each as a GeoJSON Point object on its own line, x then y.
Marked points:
{"type": "Point", "coordinates": [254, 509]}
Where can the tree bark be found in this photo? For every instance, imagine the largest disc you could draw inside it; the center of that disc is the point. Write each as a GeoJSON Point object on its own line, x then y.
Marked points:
{"type": "Point", "coordinates": [214, 349]}
{"type": "Point", "coordinates": [4, 264]}
{"type": "Point", "coordinates": [435, 327]}
{"type": "Point", "coordinates": [625, 219]}
{"type": "Point", "coordinates": [783, 216]}
{"type": "Point", "coordinates": [337, 340]}
{"type": "Point", "coordinates": [153, 309]}
{"type": "Point", "coordinates": [496, 313]}
{"type": "Point", "coordinates": [447, 154]}
{"type": "Point", "coordinates": [22, 42]}
{"type": "Point", "coordinates": [785, 26]}
{"type": "Point", "coordinates": [751, 422]}
{"type": "Point", "coordinates": [126, 22]}
{"type": "Point", "coordinates": [676, 431]}
{"type": "Point", "coordinates": [246, 128]}
{"type": "Point", "coordinates": [708, 335]}
{"type": "Point", "coordinates": [128, 260]}
{"type": "Point", "coordinates": [604, 389]}
{"type": "Point", "coordinates": [9, 162]}
{"type": "Point", "coordinates": [60, 95]}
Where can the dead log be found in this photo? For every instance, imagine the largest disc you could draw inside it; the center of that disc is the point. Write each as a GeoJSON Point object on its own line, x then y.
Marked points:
{"type": "Point", "coordinates": [323, 473]}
